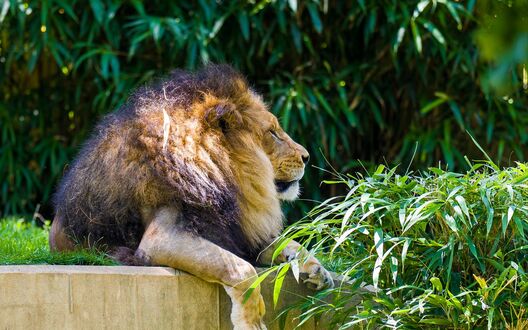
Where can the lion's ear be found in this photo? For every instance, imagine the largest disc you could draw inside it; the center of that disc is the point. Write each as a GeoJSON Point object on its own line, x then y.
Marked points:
{"type": "Point", "coordinates": [223, 115]}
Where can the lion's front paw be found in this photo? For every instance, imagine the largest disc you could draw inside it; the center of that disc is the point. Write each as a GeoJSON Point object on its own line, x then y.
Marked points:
{"type": "Point", "coordinates": [249, 326]}
{"type": "Point", "coordinates": [247, 315]}
{"type": "Point", "coordinates": [318, 277]}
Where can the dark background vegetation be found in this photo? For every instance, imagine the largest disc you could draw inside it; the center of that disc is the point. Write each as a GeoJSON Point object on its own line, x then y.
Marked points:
{"type": "Point", "coordinates": [357, 82]}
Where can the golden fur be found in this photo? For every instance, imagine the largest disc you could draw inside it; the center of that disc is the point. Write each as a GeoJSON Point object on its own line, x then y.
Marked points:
{"type": "Point", "coordinates": [188, 174]}
{"type": "Point", "coordinates": [203, 142]}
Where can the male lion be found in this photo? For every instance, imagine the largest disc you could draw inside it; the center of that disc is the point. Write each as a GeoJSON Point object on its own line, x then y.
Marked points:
{"type": "Point", "coordinates": [188, 174]}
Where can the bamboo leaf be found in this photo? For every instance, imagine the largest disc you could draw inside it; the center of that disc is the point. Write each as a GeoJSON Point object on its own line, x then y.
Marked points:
{"type": "Point", "coordinates": [243, 21]}
{"type": "Point", "coordinates": [437, 284]}
{"type": "Point", "coordinates": [257, 282]}
{"type": "Point", "coordinates": [293, 5]}
{"type": "Point", "coordinates": [314, 14]}
{"type": "Point", "coordinates": [295, 269]}
{"type": "Point", "coordinates": [416, 36]}
{"type": "Point", "coordinates": [278, 283]}
{"type": "Point", "coordinates": [434, 32]}
{"type": "Point", "coordinates": [98, 10]}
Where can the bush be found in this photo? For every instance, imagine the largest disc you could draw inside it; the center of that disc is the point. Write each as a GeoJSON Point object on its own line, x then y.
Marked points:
{"type": "Point", "coordinates": [350, 79]}
{"type": "Point", "coordinates": [439, 249]}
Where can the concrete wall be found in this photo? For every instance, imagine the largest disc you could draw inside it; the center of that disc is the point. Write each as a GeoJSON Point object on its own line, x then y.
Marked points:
{"type": "Point", "coordinates": [116, 297]}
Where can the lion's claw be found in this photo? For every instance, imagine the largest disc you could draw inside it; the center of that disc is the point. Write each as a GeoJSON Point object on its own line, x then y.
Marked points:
{"type": "Point", "coordinates": [319, 278]}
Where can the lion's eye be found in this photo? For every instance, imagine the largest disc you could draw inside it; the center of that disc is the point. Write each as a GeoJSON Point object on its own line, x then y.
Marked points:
{"type": "Point", "coordinates": [275, 135]}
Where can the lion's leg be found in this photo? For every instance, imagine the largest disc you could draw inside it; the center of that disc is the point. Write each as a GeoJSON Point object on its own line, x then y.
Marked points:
{"type": "Point", "coordinates": [58, 239]}
{"type": "Point", "coordinates": [165, 243]}
{"type": "Point", "coordinates": [318, 276]}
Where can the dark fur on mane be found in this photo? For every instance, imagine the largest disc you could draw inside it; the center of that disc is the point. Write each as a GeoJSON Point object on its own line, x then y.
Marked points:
{"type": "Point", "coordinates": [184, 87]}
{"type": "Point", "coordinates": [124, 167]}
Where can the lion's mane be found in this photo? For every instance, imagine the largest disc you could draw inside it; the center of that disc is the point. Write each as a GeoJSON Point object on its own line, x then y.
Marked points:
{"type": "Point", "coordinates": [185, 141]}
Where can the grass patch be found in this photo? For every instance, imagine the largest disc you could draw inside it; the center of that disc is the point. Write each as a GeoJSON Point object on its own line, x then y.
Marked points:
{"type": "Point", "coordinates": [23, 243]}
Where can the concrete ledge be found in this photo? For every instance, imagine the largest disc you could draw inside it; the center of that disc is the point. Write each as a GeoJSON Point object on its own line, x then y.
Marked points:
{"type": "Point", "coordinates": [119, 297]}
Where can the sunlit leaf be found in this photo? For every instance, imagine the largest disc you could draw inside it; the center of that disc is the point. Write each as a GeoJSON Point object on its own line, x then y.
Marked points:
{"type": "Point", "coordinates": [437, 284]}
{"type": "Point", "coordinates": [416, 36]}
{"type": "Point", "coordinates": [98, 10]}
{"type": "Point", "coordinates": [278, 283]}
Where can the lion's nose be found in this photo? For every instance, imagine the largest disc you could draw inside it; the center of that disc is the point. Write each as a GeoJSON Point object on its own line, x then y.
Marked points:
{"type": "Point", "coordinates": [305, 158]}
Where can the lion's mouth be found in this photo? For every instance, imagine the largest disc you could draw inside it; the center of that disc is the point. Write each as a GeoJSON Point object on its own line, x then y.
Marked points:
{"type": "Point", "coordinates": [282, 186]}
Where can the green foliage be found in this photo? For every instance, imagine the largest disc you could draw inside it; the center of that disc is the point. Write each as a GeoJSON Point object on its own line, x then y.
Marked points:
{"type": "Point", "coordinates": [351, 80]}
{"type": "Point", "coordinates": [23, 243]}
{"type": "Point", "coordinates": [439, 249]}
{"type": "Point", "coordinates": [503, 41]}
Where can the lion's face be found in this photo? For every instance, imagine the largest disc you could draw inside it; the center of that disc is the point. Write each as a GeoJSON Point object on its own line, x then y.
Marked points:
{"type": "Point", "coordinates": [287, 157]}
{"type": "Point", "coordinates": [251, 127]}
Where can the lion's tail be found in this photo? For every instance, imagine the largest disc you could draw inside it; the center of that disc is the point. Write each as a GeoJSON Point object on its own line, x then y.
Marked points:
{"type": "Point", "coordinates": [127, 256]}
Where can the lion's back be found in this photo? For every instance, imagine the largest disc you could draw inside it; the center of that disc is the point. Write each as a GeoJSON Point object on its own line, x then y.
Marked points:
{"type": "Point", "coordinates": [159, 149]}
{"type": "Point", "coordinates": [96, 197]}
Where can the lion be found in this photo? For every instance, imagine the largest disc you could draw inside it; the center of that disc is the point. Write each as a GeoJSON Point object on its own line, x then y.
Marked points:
{"type": "Point", "coordinates": [190, 174]}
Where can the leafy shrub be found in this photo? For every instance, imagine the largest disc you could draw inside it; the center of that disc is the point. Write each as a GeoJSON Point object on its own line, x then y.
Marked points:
{"type": "Point", "coordinates": [439, 249]}
{"type": "Point", "coordinates": [350, 79]}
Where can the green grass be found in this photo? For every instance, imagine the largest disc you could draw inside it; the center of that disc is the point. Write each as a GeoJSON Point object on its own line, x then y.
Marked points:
{"type": "Point", "coordinates": [23, 243]}
{"type": "Point", "coordinates": [441, 249]}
